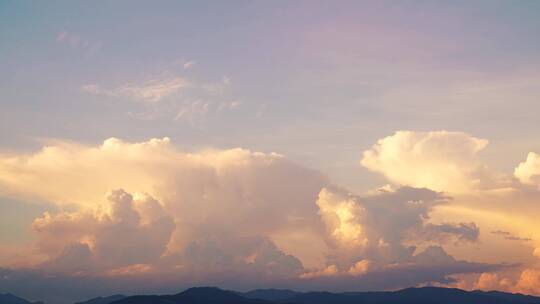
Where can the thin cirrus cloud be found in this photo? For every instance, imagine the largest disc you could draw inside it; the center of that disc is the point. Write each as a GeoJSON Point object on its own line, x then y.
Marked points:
{"type": "Point", "coordinates": [78, 42]}
{"type": "Point", "coordinates": [185, 64]}
{"type": "Point", "coordinates": [189, 64]}
{"type": "Point", "coordinates": [151, 91]}
{"type": "Point", "coordinates": [508, 236]}
{"type": "Point", "coordinates": [176, 98]}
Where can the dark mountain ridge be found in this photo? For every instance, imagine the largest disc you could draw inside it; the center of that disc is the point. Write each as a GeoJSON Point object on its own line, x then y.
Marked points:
{"type": "Point", "coordinates": [271, 294]}
{"type": "Point", "coordinates": [214, 295]}
{"type": "Point", "coordinates": [7, 298]}
{"type": "Point", "coordinates": [424, 295]}
{"type": "Point", "coordinates": [196, 295]}
{"type": "Point", "coordinates": [103, 300]}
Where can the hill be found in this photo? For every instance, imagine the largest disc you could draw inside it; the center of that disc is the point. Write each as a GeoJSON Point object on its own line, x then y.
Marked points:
{"type": "Point", "coordinates": [196, 295]}
{"type": "Point", "coordinates": [7, 298]}
{"type": "Point", "coordinates": [103, 300]}
{"type": "Point", "coordinates": [425, 295]}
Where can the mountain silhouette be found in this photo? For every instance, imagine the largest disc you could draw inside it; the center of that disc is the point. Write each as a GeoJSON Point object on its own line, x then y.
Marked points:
{"type": "Point", "coordinates": [195, 295]}
{"type": "Point", "coordinates": [271, 294]}
{"type": "Point", "coordinates": [103, 300]}
{"type": "Point", "coordinates": [509, 296]}
{"type": "Point", "coordinates": [424, 295]}
{"type": "Point", "coordinates": [7, 298]}
{"type": "Point", "coordinates": [214, 295]}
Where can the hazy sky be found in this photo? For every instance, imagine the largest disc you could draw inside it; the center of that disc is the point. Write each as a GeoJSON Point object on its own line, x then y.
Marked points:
{"type": "Point", "coordinates": [307, 144]}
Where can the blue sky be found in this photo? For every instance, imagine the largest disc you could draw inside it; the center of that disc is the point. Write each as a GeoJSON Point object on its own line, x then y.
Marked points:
{"type": "Point", "coordinates": [357, 69]}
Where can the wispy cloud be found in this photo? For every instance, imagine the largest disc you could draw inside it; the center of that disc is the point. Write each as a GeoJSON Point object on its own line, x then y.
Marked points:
{"type": "Point", "coordinates": [194, 111]}
{"type": "Point", "coordinates": [261, 110]}
{"type": "Point", "coordinates": [184, 63]}
{"type": "Point", "coordinates": [509, 236]}
{"type": "Point", "coordinates": [188, 65]}
{"type": "Point", "coordinates": [228, 105]}
{"type": "Point", "coordinates": [151, 91]}
{"type": "Point", "coordinates": [78, 42]}
{"type": "Point", "coordinates": [154, 90]}
{"type": "Point", "coordinates": [190, 111]}
{"type": "Point", "coordinates": [175, 97]}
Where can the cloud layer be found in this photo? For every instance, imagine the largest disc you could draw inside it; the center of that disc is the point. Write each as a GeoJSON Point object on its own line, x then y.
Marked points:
{"type": "Point", "coordinates": [136, 211]}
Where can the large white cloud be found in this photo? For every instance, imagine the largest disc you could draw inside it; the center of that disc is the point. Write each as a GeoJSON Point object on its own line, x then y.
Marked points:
{"type": "Point", "coordinates": [528, 172]}
{"type": "Point", "coordinates": [129, 231]}
{"type": "Point", "coordinates": [244, 217]}
{"type": "Point", "coordinates": [228, 189]}
{"type": "Point", "coordinates": [439, 160]}
{"type": "Point", "coordinates": [451, 162]}
{"type": "Point", "coordinates": [384, 227]}
{"type": "Point", "coordinates": [210, 194]}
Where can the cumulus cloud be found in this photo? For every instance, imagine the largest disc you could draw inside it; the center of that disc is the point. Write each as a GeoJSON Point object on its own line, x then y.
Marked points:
{"type": "Point", "coordinates": [528, 172]}
{"type": "Point", "coordinates": [360, 268]}
{"type": "Point", "coordinates": [529, 282]}
{"type": "Point", "coordinates": [439, 160]}
{"type": "Point", "coordinates": [66, 173]}
{"type": "Point", "coordinates": [451, 162]}
{"type": "Point", "coordinates": [492, 281]}
{"type": "Point", "coordinates": [128, 236]}
{"type": "Point", "coordinates": [124, 231]}
{"type": "Point", "coordinates": [329, 271]}
{"type": "Point", "coordinates": [342, 216]}
{"type": "Point", "coordinates": [232, 215]}
{"type": "Point", "coordinates": [244, 255]}
{"type": "Point", "coordinates": [379, 226]}
{"type": "Point", "coordinates": [388, 232]}
{"type": "Point", "coordinates": [210, 195]}
{"type": "Point", "coordinates": [433, 266]}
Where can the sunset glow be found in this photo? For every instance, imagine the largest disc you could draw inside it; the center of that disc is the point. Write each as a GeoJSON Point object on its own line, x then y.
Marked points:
{"type": "Point", "coordinates": [148, 147]}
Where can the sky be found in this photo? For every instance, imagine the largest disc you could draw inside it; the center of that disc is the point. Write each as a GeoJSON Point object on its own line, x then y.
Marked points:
{"type": "Point", "coordinates": [147, 147]}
